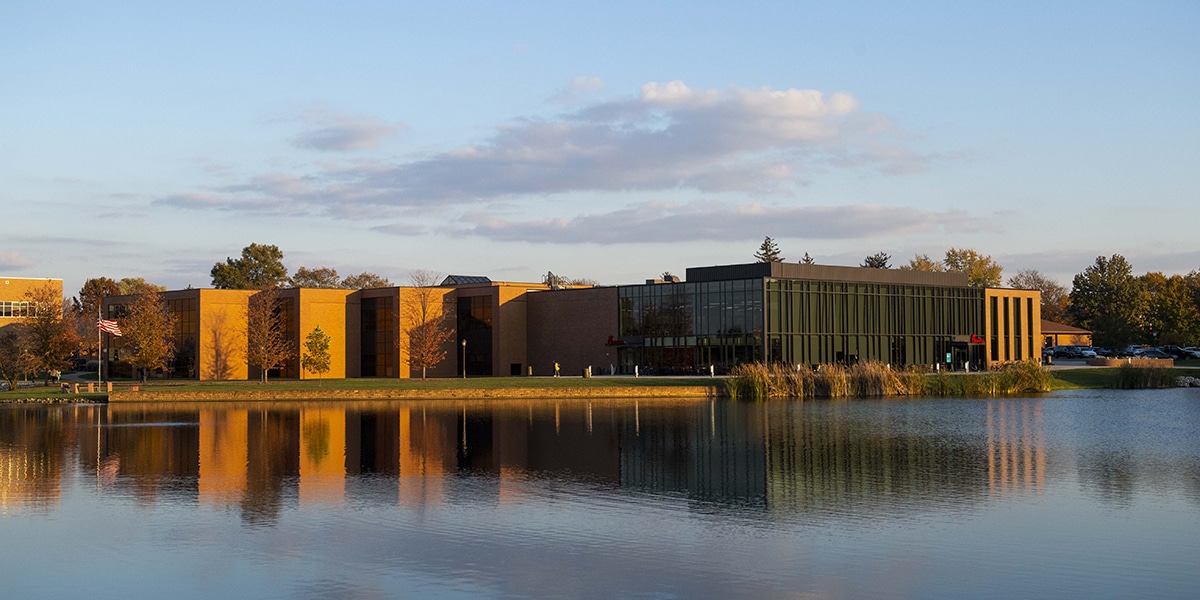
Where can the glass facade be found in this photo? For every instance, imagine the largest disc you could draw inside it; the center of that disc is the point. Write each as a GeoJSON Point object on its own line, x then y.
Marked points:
{"type": "Point", "coordinates": [475, 328]}
{"type": "Point", "coordinates": [838, 322]}
{"type": "Point", "coordinates": [379, 346]}
{"type": "Point", "coordinates": [683, 328]}
{"type": "Point", "coordinates": [186, 314]}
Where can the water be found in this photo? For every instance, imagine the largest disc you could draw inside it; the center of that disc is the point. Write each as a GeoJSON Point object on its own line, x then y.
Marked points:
{"type": "Point", "coordinates": [1080, 494]}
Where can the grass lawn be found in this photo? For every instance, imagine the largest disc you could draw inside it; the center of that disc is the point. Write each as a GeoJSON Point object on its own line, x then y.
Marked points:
{"type": "Point", "coordinates": [1075, 379]}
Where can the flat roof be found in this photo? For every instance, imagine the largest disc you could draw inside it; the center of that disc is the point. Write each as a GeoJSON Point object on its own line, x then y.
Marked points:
{"type": "Point", "coordinates": [775, 270]}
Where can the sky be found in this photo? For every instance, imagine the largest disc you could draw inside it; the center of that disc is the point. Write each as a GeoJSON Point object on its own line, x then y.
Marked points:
{"type": "Point", "coordinates": [610, 141]}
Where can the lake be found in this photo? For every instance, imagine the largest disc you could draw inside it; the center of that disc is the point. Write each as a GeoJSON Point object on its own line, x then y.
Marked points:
{"type": "Point", "coordinates": [1085, 494]}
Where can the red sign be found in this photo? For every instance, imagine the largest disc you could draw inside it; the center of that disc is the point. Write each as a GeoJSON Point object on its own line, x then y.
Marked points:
{"type": "Point", "coordinates": [976, 338]}
{"type": "Point", "coordinates": [614, 342]}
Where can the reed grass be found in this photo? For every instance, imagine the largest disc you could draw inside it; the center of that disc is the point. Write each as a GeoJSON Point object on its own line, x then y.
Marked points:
{"type": "Point", "coordinates": [1133, 377]}
{"type": "Point", "coordinates": [759, 381]}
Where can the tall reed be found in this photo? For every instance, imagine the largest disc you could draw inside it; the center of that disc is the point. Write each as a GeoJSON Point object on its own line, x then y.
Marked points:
{"type": "Point", "coordinates": [758, 381]}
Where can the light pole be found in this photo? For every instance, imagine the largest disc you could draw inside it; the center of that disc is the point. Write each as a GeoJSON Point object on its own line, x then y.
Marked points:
{"type": "Point", "coordinates": [464, 342]}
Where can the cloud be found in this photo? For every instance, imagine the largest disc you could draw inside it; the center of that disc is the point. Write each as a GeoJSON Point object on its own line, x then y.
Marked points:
{"type": "Point", "coordinates": [14, 260]}
{"type": "Point", "coordinates": [668, 136]}
{"type": "Point", "coordinates": [329, 131]}
{"type": "Point", "coordinates": [716, 221]}
{"type": "Point", "coordinates": [400, 229]}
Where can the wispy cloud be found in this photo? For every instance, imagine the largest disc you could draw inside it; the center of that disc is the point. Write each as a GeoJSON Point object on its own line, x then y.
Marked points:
{"type": "Point", "coordinates": [330, 131]}
{"type": "Point", "coordinates": [717, 221]}
{"type": "Point", "coordinates": [14, 260]}
{"type": "Point", "coordinates": [667, 137]}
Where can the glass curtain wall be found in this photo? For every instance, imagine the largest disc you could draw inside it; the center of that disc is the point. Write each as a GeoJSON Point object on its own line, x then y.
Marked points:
{"type": "Point", "coordinates": [683, 328]}
{"type": "Point", "coordinates": [378, 338]}
{"type": "Point", "coordinates": [813, 322]}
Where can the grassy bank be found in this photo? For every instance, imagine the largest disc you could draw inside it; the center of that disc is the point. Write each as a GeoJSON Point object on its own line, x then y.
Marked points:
{"type": "Point", "coordinates": [759, 381]}
{"type": "Point", "coordinates": [1121, 378]}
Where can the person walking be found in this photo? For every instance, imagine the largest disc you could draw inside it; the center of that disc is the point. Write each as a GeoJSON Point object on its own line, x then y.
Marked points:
{"type": "Point", "coordinates": [556, 368]}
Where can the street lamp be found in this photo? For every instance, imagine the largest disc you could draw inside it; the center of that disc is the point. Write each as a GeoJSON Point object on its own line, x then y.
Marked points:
{"type": "Point", "coordinates": [464, 342]}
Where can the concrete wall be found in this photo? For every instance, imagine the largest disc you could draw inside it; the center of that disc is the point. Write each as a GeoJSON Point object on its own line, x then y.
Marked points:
{"type": "Point", "coordinates": [572, 327]}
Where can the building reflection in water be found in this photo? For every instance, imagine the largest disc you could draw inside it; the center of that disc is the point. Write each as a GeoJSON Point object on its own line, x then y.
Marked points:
{"type": "Point", "coordinates": [1015, 447]}
{"type": "Point", "coordinates": [780, 457]}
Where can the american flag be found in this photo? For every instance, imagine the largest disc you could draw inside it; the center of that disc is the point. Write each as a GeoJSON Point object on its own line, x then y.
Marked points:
{"type": "Point", "coordinates": [108, 326]}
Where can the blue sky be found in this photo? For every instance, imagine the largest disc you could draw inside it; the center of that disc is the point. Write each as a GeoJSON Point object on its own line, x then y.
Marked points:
{"type": "Point", "coordinates": [613, 141]}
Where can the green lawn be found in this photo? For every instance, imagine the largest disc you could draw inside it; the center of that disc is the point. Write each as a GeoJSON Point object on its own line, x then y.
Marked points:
{"type": "Point", "coordinates": [1074, 379]}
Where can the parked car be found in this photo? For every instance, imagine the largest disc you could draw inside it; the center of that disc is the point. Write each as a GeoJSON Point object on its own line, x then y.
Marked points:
{"type": "Point", "coordinates": [1176, 352]}
{"type": "Point", "coordinates": [1193, 351]}
{"type": "Point", "coordinates": [1086, 352]}
{"type": "Point", "coordinates": [1153, 353]}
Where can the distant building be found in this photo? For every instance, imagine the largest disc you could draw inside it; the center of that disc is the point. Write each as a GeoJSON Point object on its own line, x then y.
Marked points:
{"type": "Point", "coordinates": [14, 305]}
{"type": "Point", "coordinates": [1059, 334]}
{"type": "Point", "coordinates": [718, 317]}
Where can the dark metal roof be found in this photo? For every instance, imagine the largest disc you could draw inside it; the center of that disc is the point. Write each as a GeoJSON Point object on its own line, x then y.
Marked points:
{"type": "Point", "coordinates": [824, 273]}
{"type": "Point", "coordinates": [464, 279]}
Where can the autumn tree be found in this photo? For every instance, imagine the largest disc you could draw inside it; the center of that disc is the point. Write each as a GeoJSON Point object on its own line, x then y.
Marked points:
{"type": "Point", "coordinates": [923, 263]}
{"type": "Point", "coordinates": [148, 329]}
{"type": "Point", "coordinates": [316, 359]}
{"type": "Point", "coordinates": [1107, 299]}
{"type": "Point", "coordinates": [427, 321]}
{"type": "Point", "coordinates": [1055, 299]}
{"type": "Point", "coordinates": [87, 307]}
{"type": "Point", "coordinates": [50, 336]}
{"type": "Point", "coordinates": [768, 252]}
{"type": "Point", "coordinates": [365, 281]}
{"type": "Point", "coordinates": [259, 268]}
{"type": "Point", "coordinates": [15, 359]}
{"type": "Point", "coordinates": [129, 286]}
{"type": "Point", "coordinates": [981, 270]}
{"type": "Point", "coordinates": [267, 343]}
{"type": "Point", "coordinates": [879, 260]}
{"type": "Point", "coordinates": [321, 277]}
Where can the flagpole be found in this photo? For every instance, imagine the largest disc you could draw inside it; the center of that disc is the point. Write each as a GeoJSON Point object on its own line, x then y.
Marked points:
{"type": "Point", "coordinates": [99, 349]}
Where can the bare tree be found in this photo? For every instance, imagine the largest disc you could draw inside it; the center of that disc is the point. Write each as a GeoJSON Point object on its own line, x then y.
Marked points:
{"type": "Point", "coordinates": [1055, 298]}
{"type": "Point", "coordinates": [427, 321]}
{"type": "Point", "coordinates": [148, 329]}
{"type": "Point", "coordinates": [268, 346]}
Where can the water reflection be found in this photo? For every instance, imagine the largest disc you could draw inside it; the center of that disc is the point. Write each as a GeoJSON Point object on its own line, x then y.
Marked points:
{"type": "Point", "coordinates": [808, 459]}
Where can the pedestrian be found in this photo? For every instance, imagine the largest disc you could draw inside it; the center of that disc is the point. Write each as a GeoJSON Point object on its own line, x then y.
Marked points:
{"type": "Point", "coordinates": [556, 368]}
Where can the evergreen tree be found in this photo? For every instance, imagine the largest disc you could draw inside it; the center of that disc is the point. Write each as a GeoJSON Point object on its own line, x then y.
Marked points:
{"type": "Point", "coordinates": [807, 260]}
{"type": "Point", "coordinates": [259, 268]}
{"type": "Point", "coordinates": [316, 359]}
{"type": "Point", "coordinates": [768, 251]}
{"type": "Point", "coordinates": [879, 260]}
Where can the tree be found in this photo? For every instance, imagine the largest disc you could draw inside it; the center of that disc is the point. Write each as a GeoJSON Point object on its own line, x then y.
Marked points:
{"type": "Point", "coordinates": [1172, 316]}
{"type": "Point", "coordinates": [1107, 299]}
{"type": "Point", "coordinates": [365, 281]}
{"type": "Point", "coordinates": [427, 321]}
{"type": "Point", "coordinates": [130, 286]}
{"type": "Point", "coordinates": [50, 337]}
{"type": "Point", "coordinates": [923, 263]}
{"type": "Point", "coordinates": [1055, 299]}
{"type": "Point", "coordinates": [879, 260]}
{"type": "Point", "coordinates": [321, 277]}
{"type": "Point", "coordinates": [807, 260]}
{"type": "Point", "coordinates": [316, 353]}
{"type": "Point", "coordinates": [981, 270]}
{"type": "Point", "coordinates": [15, 359]}
{"type": "Point", "coordinates": [92, 295]}
{"type": "Point", "coordinates": [267, 343]}
{"type": "Point", "coordinates": [259, 268]}
{"type": "Point", "coordinates": [768, 251]}
{"type": "Point", "coordinates": [87, 309]}
{"type": "Point", "coordinates": [148, 330]}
